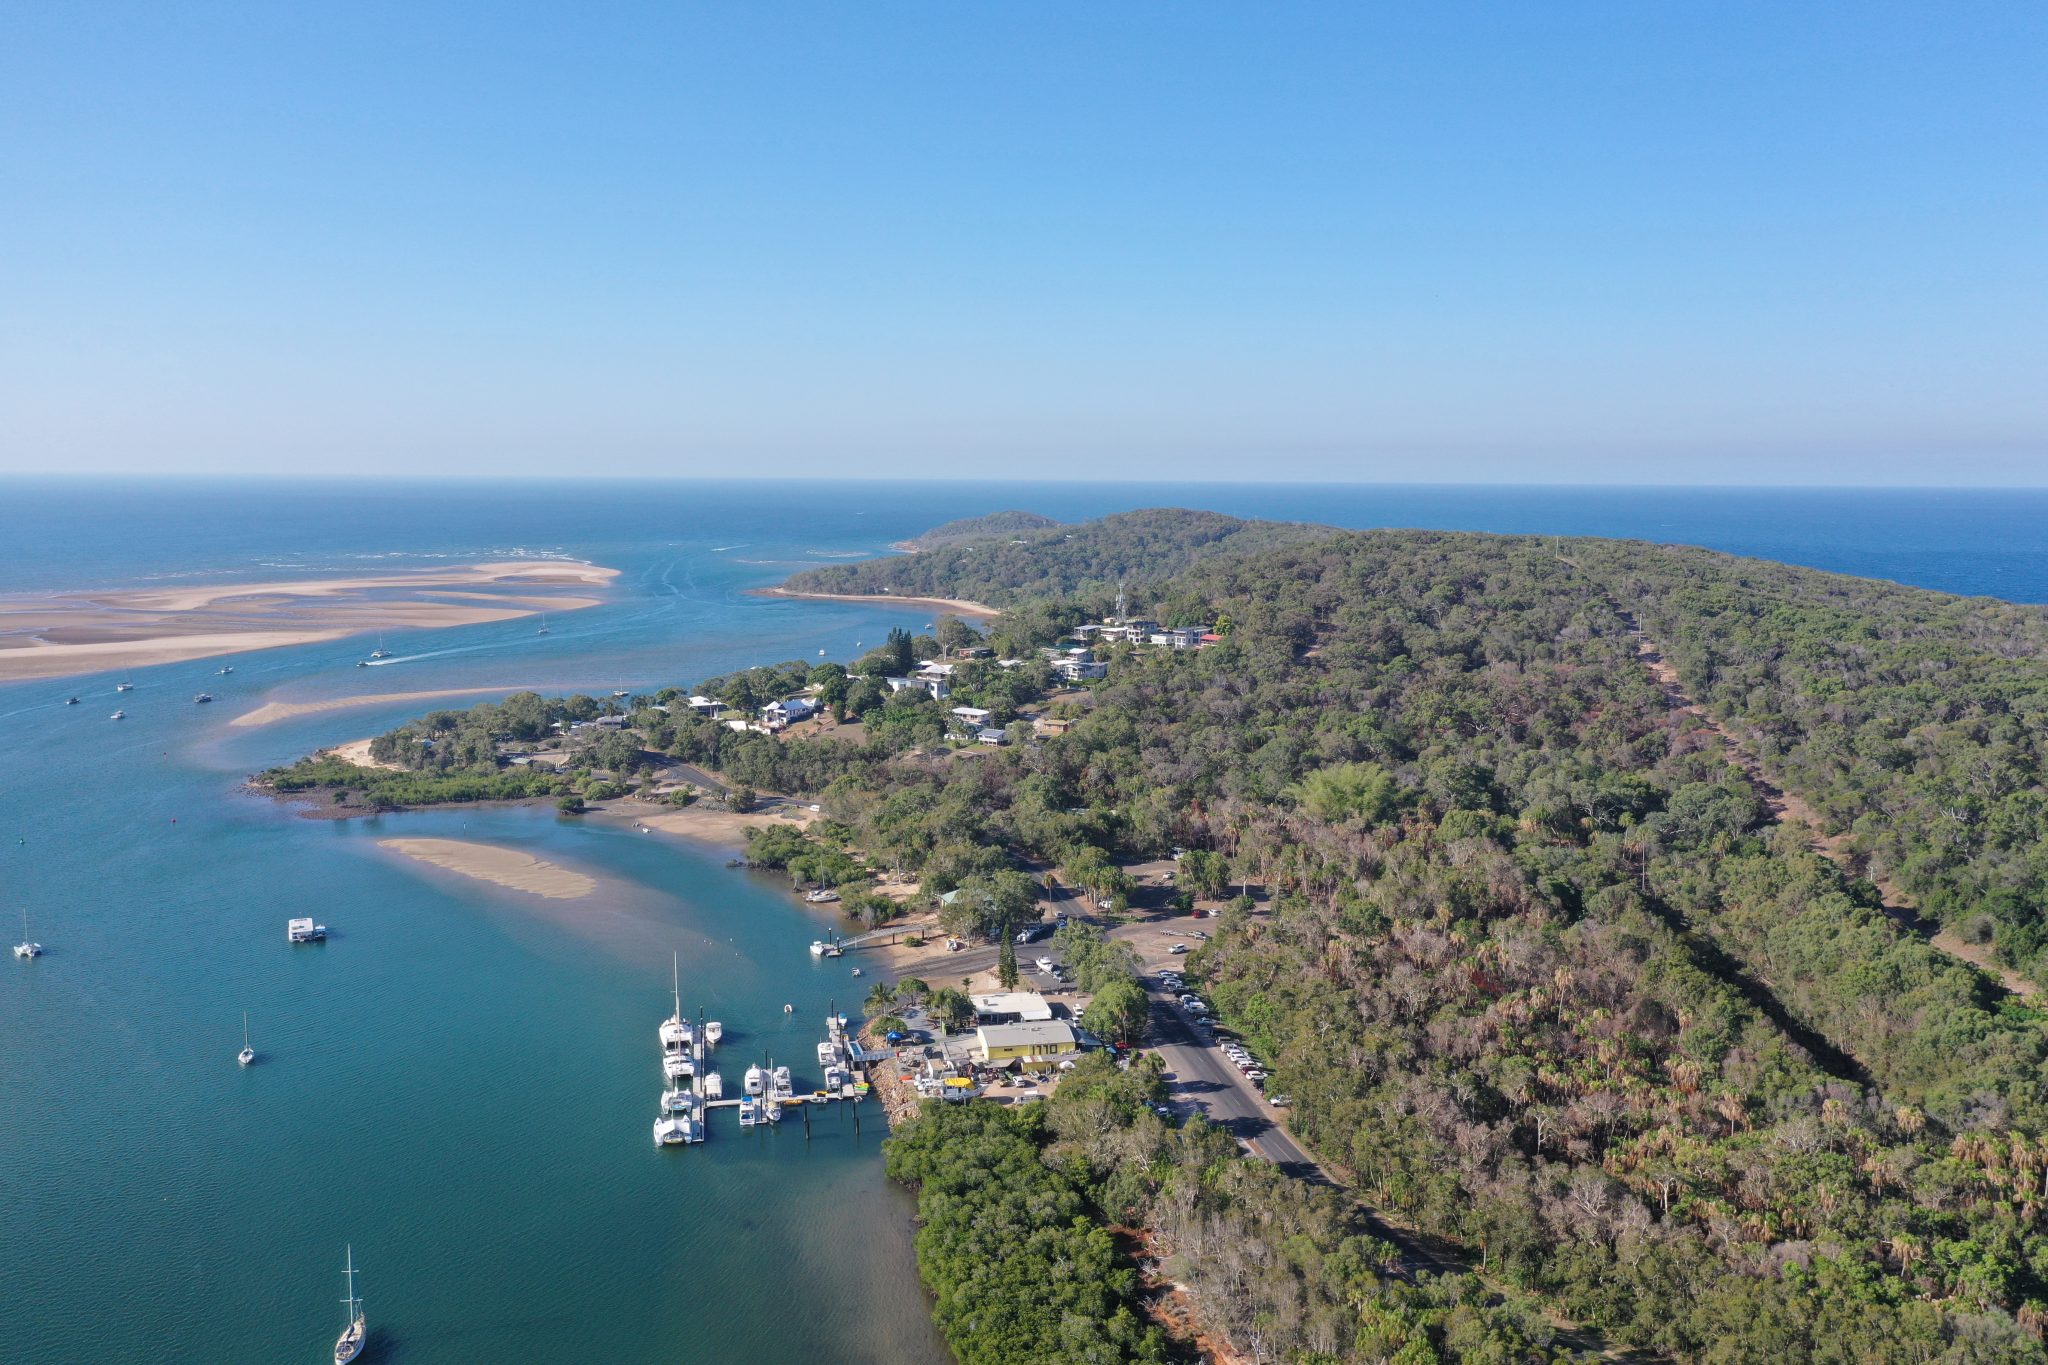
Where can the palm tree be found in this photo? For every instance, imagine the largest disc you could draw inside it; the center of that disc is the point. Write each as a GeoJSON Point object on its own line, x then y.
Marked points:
{"type": "Point", "coordinates": [881, 996]}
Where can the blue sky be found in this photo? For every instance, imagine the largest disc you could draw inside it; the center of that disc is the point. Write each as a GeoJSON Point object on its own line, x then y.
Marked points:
{"type": "Point", "coordinates": [1582, 242]}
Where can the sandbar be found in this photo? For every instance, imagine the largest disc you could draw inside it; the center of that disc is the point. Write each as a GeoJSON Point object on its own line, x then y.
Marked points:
{"type": "Point", "coordinates": [506, 867]}
{"type": "Point", "coordinates": [57, 635]}
{"type": "Point", "coordinates": [271, 712]}
{"type": "Point", "coordinates": [958, 606]}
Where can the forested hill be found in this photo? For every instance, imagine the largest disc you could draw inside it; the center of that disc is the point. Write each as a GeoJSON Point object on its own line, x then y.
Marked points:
{"type": "Point", "coordinates": [995, 524]}
{"type": "Point", "coordinates": [1085, 561]}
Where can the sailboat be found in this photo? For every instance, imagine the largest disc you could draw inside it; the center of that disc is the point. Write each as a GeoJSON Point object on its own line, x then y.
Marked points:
{"type": "Point", "coordinates": [349, 1344]}
{"type": "Point", "coordinates": [247, 1054]}
{"type": "Point", "coordinates": [28, 947]}
{"type": "Point", "coordinates": [543, 624]}
{"type": "Point", "coordinates": [675, 1030]}
{"type": "Point", "coordinates": [378, 652]}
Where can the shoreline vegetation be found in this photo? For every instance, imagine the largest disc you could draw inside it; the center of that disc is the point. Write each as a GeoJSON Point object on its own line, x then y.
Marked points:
{"type": "Point", "coordinates": [63, 634]}
{"type": "Point", "coordinates": [1505, 911]}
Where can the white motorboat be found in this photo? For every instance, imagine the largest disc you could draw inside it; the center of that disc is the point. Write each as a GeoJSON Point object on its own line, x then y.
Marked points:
{"type": "Point", "coordinates": [817, 947]}
{"type": "Point", "coordinates": [750, 1111]}
{"type": "Point", "coordinates": [202, 698]}
{"type": "Point", "coordinates": [28, 947]}
{"type": "Point", "coordinates": [714, 1033]}
{"type": "Point", "coordinates": [756, 1080]}
{"type": "Point", "coordinates": [227, 670]}
{"type": "Point", "coordinates": [828, 1053]}
{"type": "Point", "coordinates": [771, 1109]}
{"type": "Point", "coordinates": [118, 715]}
{"type": "Point", "coordinates": [835, 1078]}
{"type": "Point", "coordinates": [72, 702]}
{"type": "Point", "coordinates": [714, 1086]}
{"type": "Point", "coordinates": [349, 1344]}
{"type": "Point", "coordinates": [247, 1054]}
{"type": "Point", "coordinates": [780, 1087]}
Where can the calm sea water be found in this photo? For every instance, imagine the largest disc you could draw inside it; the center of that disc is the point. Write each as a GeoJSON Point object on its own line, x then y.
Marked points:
{"type": "Point", "coordinates": [461, 1082]}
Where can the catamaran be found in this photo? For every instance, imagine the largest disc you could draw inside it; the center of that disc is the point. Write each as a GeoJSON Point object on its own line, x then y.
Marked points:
{"type": "Point", "coordinates": [349, 1344]}
{"type": "Point", "coordinates": [124, 687]}
{"type": "Point", "coordinates": [675, 1030]}
{"type": "Point", "coordinates": [378, 652]}
{"type": "Point", "coordinates": [247, 1054]}
{"type": "Point", "coordinates": [28, 947]}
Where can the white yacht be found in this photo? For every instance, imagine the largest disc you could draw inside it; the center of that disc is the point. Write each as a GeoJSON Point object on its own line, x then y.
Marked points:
{"type": "Point", "coordinates": [378, 652]}
{"type": "Point", "coordinates": [670, 1131]}
{"type": "Point", "coordinates": [780, 1087]}
{"type": "Point", "coordinates": [227, 670]}
{"type": "Point", "coordinates": [750, 1111]}
{"type": "Point", "coordinates": [124, 687]}
{"type": "Point", "coordinates": [349, 1344]}
{"type": "Point", "coordinates": [543, 624]}
{"type": "Point", "coordinates": [247, 1054]}
{"type": "Point", "coordinates": [835, 1078]}
{"type": "Point", "coordinates": [714, 1086]}
{"type": "Point", "coordinates": [678, 1100]}
{"type": "Point", "coordinates": [676, 1065]}
{"type": "Point", "coordinates": [756, 1080]}
{"type": "Point", "coordinates": [714, 1033]}
{"type": "Point", "coordinates": [118, 715]}
{"type": "Point", "coordinates": [28, 947]}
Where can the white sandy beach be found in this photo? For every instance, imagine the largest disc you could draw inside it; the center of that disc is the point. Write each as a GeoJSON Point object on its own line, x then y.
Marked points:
{"type": "Point", "coordinates": [957, 606]}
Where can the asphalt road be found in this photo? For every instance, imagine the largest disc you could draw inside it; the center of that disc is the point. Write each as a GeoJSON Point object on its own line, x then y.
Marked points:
{"type": "Point", "coordinates": [1205, 1079]}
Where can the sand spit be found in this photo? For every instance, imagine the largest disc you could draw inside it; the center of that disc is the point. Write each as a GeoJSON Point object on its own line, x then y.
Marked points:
{"type": "Point", "coordinates": [957, 606]}
{"type": "Point", "coordinates": [272, 712]}
{"type": "Point", "coordinates": [506, 867]}
{"type": "Point", "coordinates": [57, 635]}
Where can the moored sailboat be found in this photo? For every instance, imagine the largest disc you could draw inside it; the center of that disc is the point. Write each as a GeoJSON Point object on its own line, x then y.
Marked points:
{"type": "Point", "coordinates": [349, 1344]}
{"type": "Point", "coordinates": [247, 1054]}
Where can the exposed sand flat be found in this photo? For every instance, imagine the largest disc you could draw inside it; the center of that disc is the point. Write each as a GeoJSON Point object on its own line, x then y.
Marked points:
{"type": "Point", "coordinates": [56, 635]}
{"type": "Point", "coordinates": [357, 751]}
{"type": "Point", "coordinates": [506, 867]}
{"type": "Point", "coordinates": [957, 606]}
{"type": "Point", "coordinates": [271, 712]}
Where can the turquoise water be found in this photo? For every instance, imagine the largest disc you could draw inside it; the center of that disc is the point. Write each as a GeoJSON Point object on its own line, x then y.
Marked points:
{"type": "Point", "coordinates": [461, 1082]}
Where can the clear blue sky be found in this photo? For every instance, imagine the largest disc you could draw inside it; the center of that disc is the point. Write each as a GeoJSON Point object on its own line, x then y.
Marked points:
{"type": "Point", "coordinates": [1635, 242]}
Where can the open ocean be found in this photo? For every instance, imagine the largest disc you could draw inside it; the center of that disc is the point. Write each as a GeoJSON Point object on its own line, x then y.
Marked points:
{"type": "Point", "coordinates": [459, 1083]}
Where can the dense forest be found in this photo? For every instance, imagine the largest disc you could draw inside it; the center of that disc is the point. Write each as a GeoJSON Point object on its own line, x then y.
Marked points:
{"type": "Point", "coordinates": [1543, 977]}
{"type": "Point", "coordinates": [1085, 561]}
{"type": "Point", "coordinates": [978, 528]}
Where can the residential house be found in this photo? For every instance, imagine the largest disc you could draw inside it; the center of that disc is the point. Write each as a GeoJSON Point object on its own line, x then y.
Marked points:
{"type": "Point", "coordinates": [991, 735]}
{"type": "Point", "coordinates": [777, 714]}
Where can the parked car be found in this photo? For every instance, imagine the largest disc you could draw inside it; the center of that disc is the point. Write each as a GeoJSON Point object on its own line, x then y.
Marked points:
{"type": "Point", "coordinates": [1197, 933]}
{"type": "Point", "coordinates": [1279, 1101]}
{"type": "Point", "coordinates": [1177, 949]}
